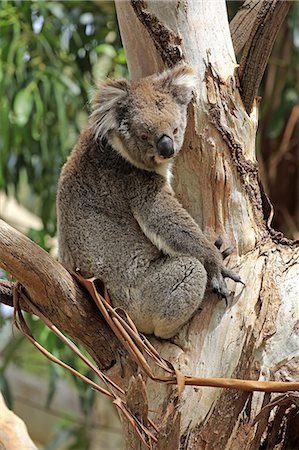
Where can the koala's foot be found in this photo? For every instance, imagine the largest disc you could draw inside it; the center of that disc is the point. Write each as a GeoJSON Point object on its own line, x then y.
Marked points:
{"type": "Point", "coordinates": [171, 293]}
{"type": "Point", "coordinates": [217, 280]}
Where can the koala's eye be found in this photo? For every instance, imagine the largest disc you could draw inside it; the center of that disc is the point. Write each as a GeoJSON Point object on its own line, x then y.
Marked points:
{"type": "Point", "coordinates": [175, 131]}
{"type": "Point", "coordinates": [144, 137]}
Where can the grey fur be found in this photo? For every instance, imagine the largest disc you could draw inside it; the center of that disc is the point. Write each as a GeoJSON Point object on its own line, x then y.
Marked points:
{"type": "Point", "coordinates": [118, 219]}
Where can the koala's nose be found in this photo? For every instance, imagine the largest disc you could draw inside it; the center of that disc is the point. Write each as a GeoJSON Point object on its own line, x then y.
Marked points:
{"type": "Point", "coordinates": [165, 146]}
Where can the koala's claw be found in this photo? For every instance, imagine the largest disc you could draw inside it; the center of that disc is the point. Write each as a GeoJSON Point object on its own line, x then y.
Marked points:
{"type": "Point", "coordinates": [228, 251]}
{"type": "Point", "coordinates": [218, 243]}
{"type": "Point", "coordinates": [217, 282]}
{"type": "Point", "coordinates": [219, 287]}
{"type": "Point", "coordinates": [227, 273]}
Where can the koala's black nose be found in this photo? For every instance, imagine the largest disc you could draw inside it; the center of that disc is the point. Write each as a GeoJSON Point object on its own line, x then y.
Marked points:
{"type": "Point", "coordinates": [165, 146]}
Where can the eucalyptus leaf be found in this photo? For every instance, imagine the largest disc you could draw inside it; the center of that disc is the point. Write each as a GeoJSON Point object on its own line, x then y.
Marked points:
{"type": "Point", "coordinates": [107, 50]}
{"type": "Point", "coordinates": [44, 98]}
{"type": "Point", "coordinates": [6, 390]}
{"type": "Point", "coordinates": [52, 383]}
{"type": "Point", "coordinates": [23, 106]}
{"type": "Point", "coordinates": [73, 87]}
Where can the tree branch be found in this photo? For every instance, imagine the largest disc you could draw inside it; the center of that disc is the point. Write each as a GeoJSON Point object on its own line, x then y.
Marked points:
{"type": "Point", "coordinates": [242, 23]}
{"type": "Point", "coordinates": [6, 296]}
{"type": "Point", "coordinates": [56, 294]}
{"type": "Point", "coordinates": [258, 47]}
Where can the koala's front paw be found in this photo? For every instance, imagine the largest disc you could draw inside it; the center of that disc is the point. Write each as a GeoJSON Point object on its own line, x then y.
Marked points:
{"type": "Point", "coordinates": [219, 272]}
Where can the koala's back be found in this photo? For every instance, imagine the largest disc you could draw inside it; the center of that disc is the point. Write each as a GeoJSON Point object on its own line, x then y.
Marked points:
{"type": "Point", "coordinates": [96, 230]}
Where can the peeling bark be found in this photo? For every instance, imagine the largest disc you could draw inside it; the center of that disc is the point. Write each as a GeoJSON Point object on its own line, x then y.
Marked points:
{"type": "Point", "coordinates": [6, 296]}
{"type": "Point", "coordinates": [167, 42]}
{"type": "Point", "coordinates": [217, 180]}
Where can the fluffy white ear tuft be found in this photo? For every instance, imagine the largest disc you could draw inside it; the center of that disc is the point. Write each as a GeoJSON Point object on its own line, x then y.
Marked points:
{"type": "Point", "coordinates": [181, 80]}
{"type": "Point", "coordinates": [103, 117]}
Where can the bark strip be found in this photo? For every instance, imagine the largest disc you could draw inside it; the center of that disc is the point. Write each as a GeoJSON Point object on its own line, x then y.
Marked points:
{"type": "Point", "coordinates": [6, 293]}
{"type": "Point", "coordinates": [165, 40]}
{"type": "Point", "coordinates": [242, 23]}
{"type": "Point", "coordinates": [258, 47]}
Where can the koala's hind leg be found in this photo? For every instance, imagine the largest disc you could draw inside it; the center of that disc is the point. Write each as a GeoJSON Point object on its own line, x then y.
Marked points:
{"type": "Point", "coordinates": [172, 292]}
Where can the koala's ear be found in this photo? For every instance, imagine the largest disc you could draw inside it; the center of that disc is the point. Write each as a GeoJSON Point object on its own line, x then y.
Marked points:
{"type": "Point", "coordinates": [103, 117]}
{"type": "Point", "coordinates": [181, 80]}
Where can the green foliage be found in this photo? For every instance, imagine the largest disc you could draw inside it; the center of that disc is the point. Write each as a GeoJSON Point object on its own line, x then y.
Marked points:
{"type": "Point", "coordinates": [7, 355]}
{"type": "Point", "coordinates": [51, 55]}
{"type": "Point", "coordinates": [5, 389]}
{"type": "Point", "coordinates": [77, 436]}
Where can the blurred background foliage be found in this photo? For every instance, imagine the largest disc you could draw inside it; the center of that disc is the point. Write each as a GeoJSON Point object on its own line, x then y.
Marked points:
{"type": "Point", "coordinates": [52, 55]}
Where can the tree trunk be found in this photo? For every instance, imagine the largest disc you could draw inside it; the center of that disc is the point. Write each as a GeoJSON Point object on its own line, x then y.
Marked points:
{"type": "Point", "coordinates": [216, 178]}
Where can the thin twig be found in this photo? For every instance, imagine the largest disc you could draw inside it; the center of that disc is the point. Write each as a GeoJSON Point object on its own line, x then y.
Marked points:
{"type": "Point", "coordinates": [20, 323]}
{"type": "Point", "coordinates": [176, 377]}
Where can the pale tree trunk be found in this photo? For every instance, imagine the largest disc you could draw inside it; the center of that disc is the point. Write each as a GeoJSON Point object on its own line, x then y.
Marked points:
{"type": "Point", "coordinates": [13, 431]}
{"type": "Point", "coordinates": [217, 180]}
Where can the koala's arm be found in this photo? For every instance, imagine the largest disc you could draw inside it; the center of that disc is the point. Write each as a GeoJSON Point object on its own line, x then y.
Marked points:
{"type": "Point", "coordinates": [169, 226]}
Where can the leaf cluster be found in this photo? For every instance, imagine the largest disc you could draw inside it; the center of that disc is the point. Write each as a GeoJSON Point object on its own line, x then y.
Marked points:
{"type": "Point", "coordinates": [51, 55]}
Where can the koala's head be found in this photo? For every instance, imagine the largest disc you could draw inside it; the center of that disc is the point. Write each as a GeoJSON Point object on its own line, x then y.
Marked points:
{"type": "Point", "coordinates": [145, 120]}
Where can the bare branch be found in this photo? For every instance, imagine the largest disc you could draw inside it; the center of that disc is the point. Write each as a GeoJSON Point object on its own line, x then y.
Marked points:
{"type": "Point", "coordinates": [56, 294]}
{"type": "Point", "coordinates": [6, 293]}
{"type": "Point", "coordinates": [258, 47]}
{"type": "Point", "coordinates": [242, 23]}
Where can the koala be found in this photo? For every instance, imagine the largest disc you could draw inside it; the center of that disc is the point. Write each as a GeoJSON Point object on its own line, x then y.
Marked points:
{"type": "Point", "coordinates": [118, 217]}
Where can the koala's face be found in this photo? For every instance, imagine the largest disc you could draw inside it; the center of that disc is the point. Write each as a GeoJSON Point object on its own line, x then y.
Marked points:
{"type": "Point", "coordinates": [146, 119]}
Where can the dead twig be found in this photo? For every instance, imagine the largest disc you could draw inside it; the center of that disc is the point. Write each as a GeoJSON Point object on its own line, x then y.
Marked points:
{"type": "Point", "coordinates": [129, 337]}
{"type": "Point", "coordinates": [143, 432]}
